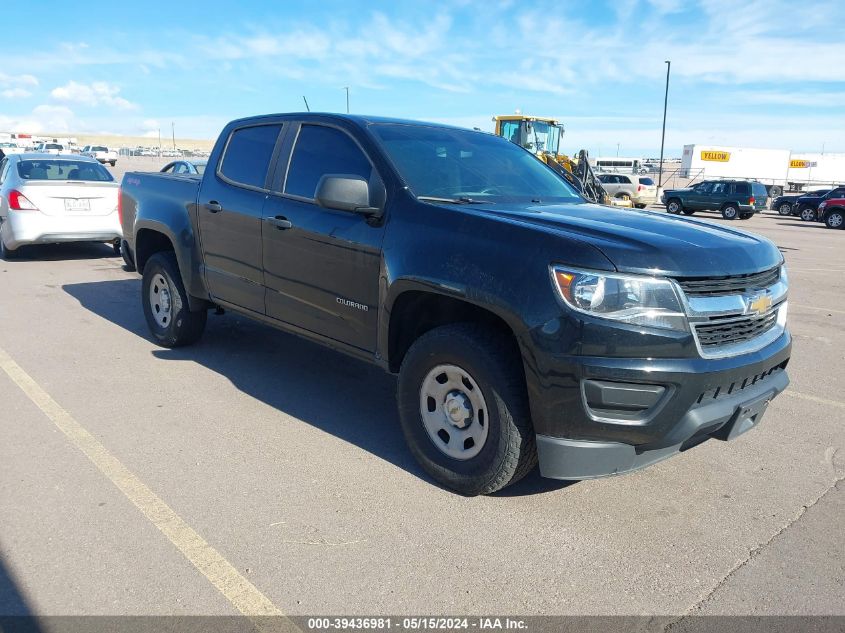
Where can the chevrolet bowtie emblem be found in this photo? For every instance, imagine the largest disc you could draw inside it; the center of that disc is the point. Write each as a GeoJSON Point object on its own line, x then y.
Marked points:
{"type": "Point", "coordinates": [760, 304]}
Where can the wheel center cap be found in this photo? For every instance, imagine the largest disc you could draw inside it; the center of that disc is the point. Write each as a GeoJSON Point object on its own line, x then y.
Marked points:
{"type": "Point", "coordinates": [458, 409]}
{"type": "Point", "coordinates": [165, 300]}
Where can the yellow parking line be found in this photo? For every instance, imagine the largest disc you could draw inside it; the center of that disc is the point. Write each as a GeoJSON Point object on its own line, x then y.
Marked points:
{"type": "Point", "coordinates": [243, 595]}
{"type": "Point", "coordinates": [805, 396]}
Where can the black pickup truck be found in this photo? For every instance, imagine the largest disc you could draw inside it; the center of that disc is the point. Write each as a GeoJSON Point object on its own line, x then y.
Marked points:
{"type": "Point", "coordinates": [524, 323]}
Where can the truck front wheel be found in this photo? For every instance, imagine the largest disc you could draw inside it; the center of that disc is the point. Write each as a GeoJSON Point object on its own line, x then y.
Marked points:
{"type": "Point", "coordinates": [166, 303]}
{"type": "Point", "coordinates": [674, 206]}
{"type": "Point", "coordinates": [464, 409]}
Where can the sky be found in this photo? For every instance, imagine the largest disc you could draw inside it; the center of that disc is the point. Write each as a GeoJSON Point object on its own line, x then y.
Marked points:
{"type": "Point", "coordinates": [755, 73]}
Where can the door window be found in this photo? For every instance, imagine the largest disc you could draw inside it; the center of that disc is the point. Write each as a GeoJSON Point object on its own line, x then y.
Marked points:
{"type": "Point", "coordinates": [322, 150]}
{"type": "Point", "coordinates": [248, 154]}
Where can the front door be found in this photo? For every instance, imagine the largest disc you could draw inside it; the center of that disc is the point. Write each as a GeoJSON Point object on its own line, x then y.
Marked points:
{"type": "Point", "coordinates": [230, 207]}
{"type": "Point", "coordinates": [322, 266]}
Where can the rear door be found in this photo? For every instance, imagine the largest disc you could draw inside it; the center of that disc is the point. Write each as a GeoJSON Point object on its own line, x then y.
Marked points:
{"type": "Point", "coordinates": [322, 266]}
{"type": "Point", "coordinates": [760, 195]}
{"type": "Point", "coordinates": [719, 195]}
{"type": "Point", "coordinates": [230, 204]}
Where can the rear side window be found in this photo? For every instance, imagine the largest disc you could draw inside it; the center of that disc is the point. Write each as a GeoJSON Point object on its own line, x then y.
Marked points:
{"type": "Point", "coordinates": [319, 151]}
{"type": "Point", "coordinates": [248, 154]}
{"type": "Point", "coordinates": [624, 180]}
{"type": "Point", "coordinates": [741, 189]}
{"type": "Point", "coordinates": [646, 181]}
{"type": "Point", "coordinates": [759, 190]}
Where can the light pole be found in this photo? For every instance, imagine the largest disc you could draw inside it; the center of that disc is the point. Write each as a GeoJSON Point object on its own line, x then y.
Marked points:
{"type": "Point", "coordinates": [173, 133]}
{"type": "Point", "coordinates": [663, 135]}
{"type": "Point", "coordinates": [347, 98]}
{"type": "Point", "coordinates": [617, 150]}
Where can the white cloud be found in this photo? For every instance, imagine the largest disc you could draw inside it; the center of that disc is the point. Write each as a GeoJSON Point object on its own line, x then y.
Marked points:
{"type": "Point", "coordinates": [17, 82]}
{"type": "Point", "coordinates": [15, 93]}
{"type": "Point", "coordinates": [98, 93]}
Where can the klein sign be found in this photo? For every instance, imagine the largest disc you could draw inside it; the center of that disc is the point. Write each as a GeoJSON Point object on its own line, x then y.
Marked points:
{"type": "Point", "coordinates": [719, 157]}
{"type": "Point", "coordinates": [802, 164]}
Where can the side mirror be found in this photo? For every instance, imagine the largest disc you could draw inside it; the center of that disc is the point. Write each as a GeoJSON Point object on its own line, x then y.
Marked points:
{"type": "Point", "coordinates": [345, 193]}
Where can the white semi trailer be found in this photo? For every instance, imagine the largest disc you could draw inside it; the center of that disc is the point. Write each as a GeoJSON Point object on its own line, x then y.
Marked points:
{"type": "Point", "coordinates": [778, 169]}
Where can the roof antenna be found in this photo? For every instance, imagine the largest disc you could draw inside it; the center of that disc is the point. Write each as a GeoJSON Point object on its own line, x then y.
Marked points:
{"type": "Point", "coordinates": [306, 103]}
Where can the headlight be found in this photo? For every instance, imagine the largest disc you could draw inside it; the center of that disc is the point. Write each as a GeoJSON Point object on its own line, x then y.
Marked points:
{"type": "Point", "coordinates": [632, 299]}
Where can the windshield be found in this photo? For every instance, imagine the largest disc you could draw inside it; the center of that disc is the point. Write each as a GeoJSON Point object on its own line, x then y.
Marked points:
{"type": "Point", "coordinates": [63, 170]}
{"type": "Point", "coordinates": [98, 148]}
{"type": "Point", "coordinates": [454, 163]}
{"type": "Point", "coordinates": [53, 146]}
{"type": "Point", "coordinates": [543, 137]}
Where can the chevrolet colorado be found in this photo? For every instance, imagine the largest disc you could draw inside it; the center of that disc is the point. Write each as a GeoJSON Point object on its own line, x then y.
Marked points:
{"type": "Point", "coordinates": [524, 324]}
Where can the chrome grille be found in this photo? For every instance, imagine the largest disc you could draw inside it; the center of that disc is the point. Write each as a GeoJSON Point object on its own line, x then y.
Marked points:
{"type": "Point", "coordinates": [737, 284]}
{"type": "Point", "coordinates": [719, 331]}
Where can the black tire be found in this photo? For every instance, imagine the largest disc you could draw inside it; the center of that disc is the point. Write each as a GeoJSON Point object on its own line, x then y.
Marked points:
{"type": "Point", "coordinates": [112, 162]}
{"type": "Point", "coordinates": [807, 214]}
{"type": "Point", "coordinates": [116, 247]}
{"type": "Point", "coordinates": [785, 208]}
{"type": "Point", "coordinates": [730, 211]}
{"type": "Point", "coordinates": [674, 206]}
{"type": "Point", "coordinates": [834, 218]}
{"type": "Point", "coordinates": [9, 254]}
{"type": "Point", "coordinates": [128, 264]}
{"type": "Point", "coordinates": [182, 327]}
{"type": "Point", "coordinates": [773, 192]}
{"type": "Point", "coordinates": [493, 362]}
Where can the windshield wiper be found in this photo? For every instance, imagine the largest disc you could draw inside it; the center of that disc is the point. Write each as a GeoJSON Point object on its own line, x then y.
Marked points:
{"type": "Point", "coordinates": [458, 200]}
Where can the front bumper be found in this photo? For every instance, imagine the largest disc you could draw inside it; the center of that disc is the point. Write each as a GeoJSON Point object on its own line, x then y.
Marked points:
{"type": "Point", "coordinates": [34, 227]}
{"type": "Point", "coordinates": [596, 417]}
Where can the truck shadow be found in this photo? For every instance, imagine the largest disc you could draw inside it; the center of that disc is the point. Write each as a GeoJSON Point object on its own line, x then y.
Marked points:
{"type": "Point", "coordinates": [348, 398]}
{"type": "Point", "coordinates": [65, 252]}
{"type": "Point", "coordinates": [15, 613]}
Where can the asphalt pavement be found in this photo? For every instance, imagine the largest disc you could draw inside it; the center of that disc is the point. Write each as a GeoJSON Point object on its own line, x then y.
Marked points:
{"type": "Point", "coordinates": [255, 465]}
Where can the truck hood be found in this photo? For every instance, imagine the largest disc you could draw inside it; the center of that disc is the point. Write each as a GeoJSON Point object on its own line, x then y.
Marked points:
{"type": "Point", "coordinates": [681, 190]}
{"type": "Point", "coordinates": [649, 242]}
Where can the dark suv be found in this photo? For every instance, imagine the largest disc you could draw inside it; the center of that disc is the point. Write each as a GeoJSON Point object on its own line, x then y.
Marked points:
{"type": "Point", "coordinates": [807, 206]}
{"type": "Point", "coordinates": [736, 199]}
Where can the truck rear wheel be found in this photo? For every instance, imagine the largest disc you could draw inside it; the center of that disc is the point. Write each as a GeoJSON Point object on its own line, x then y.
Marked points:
{"type": "Point", "coordinates": [464, 409]}
{"type": "Point", "coordinates": [785, 208]}
{"type": "Point", "coordinates": [165, 301]}
{"type": "Point", "coordinates": [730, 211]}
{"type": "Point", "coordinates": [808, 214]}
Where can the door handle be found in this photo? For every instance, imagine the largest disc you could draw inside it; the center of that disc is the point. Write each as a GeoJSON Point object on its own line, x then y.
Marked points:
{"type": "Point", "coordinates": [213, 206]}
{"type": "Point", "coordinates": [280, 222]}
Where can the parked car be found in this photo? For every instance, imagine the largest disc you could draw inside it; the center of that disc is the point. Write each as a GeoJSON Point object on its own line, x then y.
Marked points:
{"type": "Point", "coordinates": [807, 206]}
{"type": "Point", "coordinates": [832, 212]}
{"type": "Point", "coordinates": [48, 199]}
{"type": "Point", "coordinates": [640, 190]}
{"type": "Point", "coordinates": [735, 199]}
{"type": "Point", "coordinates": [11, 148]}
{"type": "Point", "coordinates": [783, 203]}
{"type": "Point", "coordinates": [100, 153]}
{"type": "Point", "coordinates": [185, 167]}
{"type": "Point", "coordinates": [51, 148]}
{"type": "Point", "coordinates": [383, 239]}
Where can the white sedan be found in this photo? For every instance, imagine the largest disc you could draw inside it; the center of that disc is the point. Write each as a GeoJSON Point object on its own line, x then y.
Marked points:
{"type": "Point", "coordinates": [46, 199]}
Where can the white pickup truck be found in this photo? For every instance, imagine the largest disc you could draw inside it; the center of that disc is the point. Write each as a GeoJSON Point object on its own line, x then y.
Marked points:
{"type": "Point", "coordinates": [101, 153]}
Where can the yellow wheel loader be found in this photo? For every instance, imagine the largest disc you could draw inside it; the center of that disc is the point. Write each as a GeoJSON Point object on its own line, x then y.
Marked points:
{"type": "Point", "coordinates": [541, 136]}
